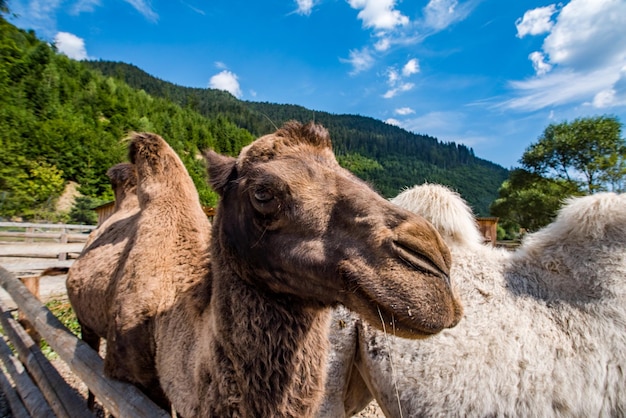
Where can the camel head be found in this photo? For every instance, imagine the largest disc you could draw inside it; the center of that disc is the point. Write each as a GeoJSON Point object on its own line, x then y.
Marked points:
{"type": "Point", "coordinates": [292, 221]}
{"type": "Point", "coordinates": [123, 179]}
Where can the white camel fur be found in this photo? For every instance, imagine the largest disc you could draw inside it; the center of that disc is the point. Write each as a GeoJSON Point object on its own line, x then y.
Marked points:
{"type": "Point", "coordinates": [543, 332]}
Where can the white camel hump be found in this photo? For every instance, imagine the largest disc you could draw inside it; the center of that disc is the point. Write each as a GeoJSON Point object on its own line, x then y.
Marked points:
{"type": "Point", "coordinates": [598, 217]}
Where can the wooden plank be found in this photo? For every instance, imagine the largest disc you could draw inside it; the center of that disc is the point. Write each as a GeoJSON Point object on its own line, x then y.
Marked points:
{"type": "Point", "coordinates": [39, 249]}
{"type": "Point", "coordinates": [22, 266]}
{"type": "Point", "coordinates": [47, 226]}
{"type": "Point", "coordinates": [61, 397]}
{"type": "Point", "coordinates": [18, 410]}
{"type": "Point", "coordinates": [121, 399]}
{"type": "Point", "coordinates": [30, 394]}
{"type": "Point", "coordinates": [57, 236]}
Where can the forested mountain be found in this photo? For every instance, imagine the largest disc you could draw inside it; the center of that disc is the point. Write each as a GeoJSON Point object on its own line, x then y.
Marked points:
{"type": "Point", "coordinates": [389, 157]}
{"type": "Point", "coordinates": [61, 121]}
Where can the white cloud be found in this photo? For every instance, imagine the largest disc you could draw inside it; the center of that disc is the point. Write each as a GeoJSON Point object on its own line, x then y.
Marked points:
{"type": "Point", "coordinates": [220, 65]}
{"type": "Point", "coordinates": [379, 14]}
{"type": "Point", "coordinates": [360, 60]}
{"type": "Point", "coordinates": [603, 99]}
{"type": "Point", "coordinates": [538, 59]}
{"type": "Point", "coordinates": [70, 45]}
{"type": "Point", "coordinates": [144, 7]}
{"type": "Point", "coordinates": [391, 27]}
{"type": "Point", "coordinates": [582, 61]}
{"type": "Point", "coordinates": [84, 6]}
{"type": "Point", "coordinates": [195, 9]}
{"type": "Point", "coordinates": [396, 80]}
{"type": "Point", "coordinates": [411, 67]}
{"type": "Point", "coordinates": [404, 111]}
{"type": "Point", "coordinates": [439, 14]}
{"type": "Point", "coordinates": [383, 44]}
{"type": "Point", "coordinates": [226, 80]}
{"type": "Point", "coordinates": [535, 21]}
{"type": "Point", "coordinates": [392, 121]}
{"type": "Point", "coordinates": [588, 33]}
{"type": "Point", "coordinates": [304, 7]}
{"type": "Point", "coordinates": [392, 76]}
{"type": "Point", "coordinates": [559, 88]}
{"type": "Point", "coordinates": [399, 89]}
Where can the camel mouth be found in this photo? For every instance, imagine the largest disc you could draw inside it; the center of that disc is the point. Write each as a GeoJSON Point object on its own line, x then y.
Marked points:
{"type": "Point", "coordinates": [419, 261]}
{"type": "Point", "coordinates": [392, 325]}
{"type": "Point", "coordinates": [400, 321]}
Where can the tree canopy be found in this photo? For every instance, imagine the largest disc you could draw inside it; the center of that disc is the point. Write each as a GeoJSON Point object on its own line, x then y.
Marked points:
{"type": "Point", "coordinates": [589, 151]}
{"type": "Point", "coordinates": [581, 157]}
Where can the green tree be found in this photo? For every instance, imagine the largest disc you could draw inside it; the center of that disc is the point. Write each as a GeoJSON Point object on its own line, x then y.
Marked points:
{"type": "Point", "coordinates": [530, 201]}
{"type": "Point", "coordinates": [29, 188]}
{"type": "Point", "coordinates": [585, 156]}
{"type": "Point", "coordinates": [589, 151]}
{"type": "Point", "coordinates": [82, 212]}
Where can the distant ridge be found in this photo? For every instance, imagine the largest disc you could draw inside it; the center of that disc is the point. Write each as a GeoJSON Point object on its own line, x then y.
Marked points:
{"type": "Point", "coordinates": [388, 157]}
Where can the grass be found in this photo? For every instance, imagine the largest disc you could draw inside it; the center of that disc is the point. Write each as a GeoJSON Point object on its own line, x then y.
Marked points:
{"type": "Point", "coordinates": [63, 311]}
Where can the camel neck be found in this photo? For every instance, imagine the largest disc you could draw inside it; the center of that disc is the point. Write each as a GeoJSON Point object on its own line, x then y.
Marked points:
{"type": "Point", "coordinates": [275, 346]}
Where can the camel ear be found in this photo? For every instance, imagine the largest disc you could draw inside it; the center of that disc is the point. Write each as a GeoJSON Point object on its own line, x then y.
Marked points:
{"type": "Point", "coordinates": [221, 170]}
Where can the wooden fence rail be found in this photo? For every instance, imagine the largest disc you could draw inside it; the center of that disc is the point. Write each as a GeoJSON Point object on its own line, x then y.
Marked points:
{"type": "Point", "coordinates": [120, 399]}
{"type": "Point", "coordinates": [31, 232]}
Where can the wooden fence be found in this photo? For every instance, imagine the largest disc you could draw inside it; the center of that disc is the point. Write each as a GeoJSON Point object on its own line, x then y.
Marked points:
{"type": "Point", "coordinates": [38, 390]}
{"type": "Point", "coordinates": [32, 385]}
{"type": "Point", "coordinates": [35, 232]}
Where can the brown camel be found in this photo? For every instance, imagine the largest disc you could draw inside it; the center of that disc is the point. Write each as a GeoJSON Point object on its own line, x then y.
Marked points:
{"type": "Point", "coordinates": [115, 284]}
{"type": "Point", "coordinates": [240, 328]}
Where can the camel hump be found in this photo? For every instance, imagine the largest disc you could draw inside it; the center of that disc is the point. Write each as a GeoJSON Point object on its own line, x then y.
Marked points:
{"type": "Point", "coordinates": [160, 171]}
{"type": "Point", "coordinates": [122, 175]}
{"type": "Point", "coordinates": [445, 209]}
{"type": "Point", "coordinates": [146, 146]}
{"type": "Point", "coordinates": [586, 219]}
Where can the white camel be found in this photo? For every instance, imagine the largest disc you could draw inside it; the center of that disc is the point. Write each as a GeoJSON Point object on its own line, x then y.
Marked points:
{"type": "Point", "coordinates": [543, 332]}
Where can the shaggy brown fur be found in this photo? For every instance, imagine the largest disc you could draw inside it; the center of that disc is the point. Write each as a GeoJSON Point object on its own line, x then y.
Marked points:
{"type": "Point", "coordinates": [294, 234]}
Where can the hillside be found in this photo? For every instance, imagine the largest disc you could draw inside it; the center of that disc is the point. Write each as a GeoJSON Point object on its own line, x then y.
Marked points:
{"type": "Point", "coordinates": [62, 122]}
{"type": "Point", "coordinates": [387, 156]}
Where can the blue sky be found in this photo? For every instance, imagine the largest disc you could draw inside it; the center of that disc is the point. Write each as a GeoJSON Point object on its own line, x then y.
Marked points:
{"type": "Point", "coordinates": [490, 74]}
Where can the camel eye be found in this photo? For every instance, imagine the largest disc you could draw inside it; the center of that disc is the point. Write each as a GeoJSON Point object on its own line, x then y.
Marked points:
{"type": "Point", "coordinates": [263, 195]}
{"type": "Point", "coordinates": [264, 200]}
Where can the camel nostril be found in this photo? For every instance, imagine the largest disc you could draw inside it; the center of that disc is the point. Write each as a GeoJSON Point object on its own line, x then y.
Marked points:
{"type": "Point", "coordinates": [419, 261]}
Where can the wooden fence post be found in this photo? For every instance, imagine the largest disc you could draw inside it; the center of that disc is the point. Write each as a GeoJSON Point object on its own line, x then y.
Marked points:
{"type": "Point", "coordinates": [30, 230]}
{"type": "Point", "coordinates": [63, 256]}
